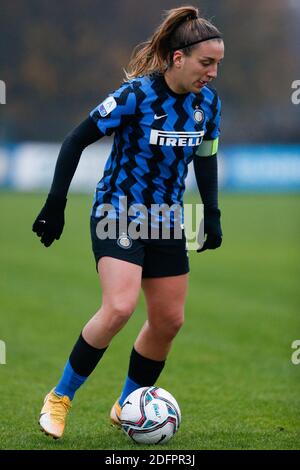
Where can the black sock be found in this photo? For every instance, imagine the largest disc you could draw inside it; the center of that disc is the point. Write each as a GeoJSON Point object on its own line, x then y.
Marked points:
{"type": "Point", "coordinates": [85, 357]}
{"type": "Point", "coordinates": [142, 370]}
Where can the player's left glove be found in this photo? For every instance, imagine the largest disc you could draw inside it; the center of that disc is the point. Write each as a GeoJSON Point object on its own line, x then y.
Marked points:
{"type": "Point", "coordinates": [212, 230]}
{"type": "Point", "coordinates": [50, 222]}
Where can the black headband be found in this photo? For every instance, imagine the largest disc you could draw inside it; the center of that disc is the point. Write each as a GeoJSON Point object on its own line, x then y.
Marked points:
{"type": "Point", "coordinates": [196, 42]}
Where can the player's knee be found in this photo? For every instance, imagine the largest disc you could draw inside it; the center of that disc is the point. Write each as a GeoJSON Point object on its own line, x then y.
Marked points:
{"type": "Point", "coordinates": [121, 312]}
{"type": "Point", "coordinates": [168, 327]}
{"type": "Point", "coordinates": [175, 325]}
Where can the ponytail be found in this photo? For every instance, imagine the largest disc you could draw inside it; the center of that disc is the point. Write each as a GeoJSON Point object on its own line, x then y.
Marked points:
{"type": "Point", "coordinates": [182, 28]}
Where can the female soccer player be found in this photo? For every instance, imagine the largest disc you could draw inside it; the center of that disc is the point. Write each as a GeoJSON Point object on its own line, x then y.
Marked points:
{"type": "Point", "coordinates": [164, 116]}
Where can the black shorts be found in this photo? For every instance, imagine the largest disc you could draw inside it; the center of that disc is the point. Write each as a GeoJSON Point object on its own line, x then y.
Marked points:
{"type": "Point", "coordinates": [158, 258]}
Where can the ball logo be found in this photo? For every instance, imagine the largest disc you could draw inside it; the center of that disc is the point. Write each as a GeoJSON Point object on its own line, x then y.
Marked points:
{"type": "Point", "coordinates": [199, 115]}
{"type": "Point", "coordinates": [124, 241]}
{"type": "Point", "coordinates": [156, 410]}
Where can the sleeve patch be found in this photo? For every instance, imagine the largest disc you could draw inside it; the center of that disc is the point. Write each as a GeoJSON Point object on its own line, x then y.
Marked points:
{"type": "Point", "coordinates": [107, 106]}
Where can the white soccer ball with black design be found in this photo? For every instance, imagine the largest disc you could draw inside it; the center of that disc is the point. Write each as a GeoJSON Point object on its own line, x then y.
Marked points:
{"type": "Point", "coordinates": [150, 415]}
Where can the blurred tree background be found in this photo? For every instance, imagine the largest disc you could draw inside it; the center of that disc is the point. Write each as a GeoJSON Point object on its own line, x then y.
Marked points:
{"type": "Point", "coordinates": [60, 59]}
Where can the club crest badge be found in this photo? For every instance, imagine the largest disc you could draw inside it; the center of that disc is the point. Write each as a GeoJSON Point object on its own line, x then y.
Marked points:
{"type": "Point", "coordinates": [199, 115]}
{"type": "Point", "coordinates": [124, 241]}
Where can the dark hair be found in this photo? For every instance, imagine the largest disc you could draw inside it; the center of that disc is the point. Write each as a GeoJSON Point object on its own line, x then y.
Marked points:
{"type": "Point", "coordinates": [182, 28]}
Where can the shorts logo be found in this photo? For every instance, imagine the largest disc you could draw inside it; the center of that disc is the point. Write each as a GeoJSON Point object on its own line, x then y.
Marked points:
{"type": "Point", "coordinates": [107, 106]}
{"type": "Point", "coordinates": [124, 241]}
{"type": "Point", "coordinates": [199, 115]}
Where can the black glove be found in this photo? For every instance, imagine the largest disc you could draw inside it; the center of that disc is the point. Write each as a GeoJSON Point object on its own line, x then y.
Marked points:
{"type": "Point", "coordinates": [212, 229]}
{"type": "Point", "coordinates": [50, 222]}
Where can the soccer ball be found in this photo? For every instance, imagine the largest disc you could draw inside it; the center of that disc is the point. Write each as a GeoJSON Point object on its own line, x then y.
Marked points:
{"type": "Point", "coordinates": [150, 415]}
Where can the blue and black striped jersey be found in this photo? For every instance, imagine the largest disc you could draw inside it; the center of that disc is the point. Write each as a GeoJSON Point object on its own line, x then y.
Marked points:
{"type": "Point", "coordinates": [156, 134]}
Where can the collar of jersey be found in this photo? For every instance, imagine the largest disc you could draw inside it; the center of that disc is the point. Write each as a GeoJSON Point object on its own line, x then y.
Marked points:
{"type": "Point", "coordinates": [164, 85]}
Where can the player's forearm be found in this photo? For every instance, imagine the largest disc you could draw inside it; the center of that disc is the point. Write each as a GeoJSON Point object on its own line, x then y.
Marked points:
{"type": "Point", "coordinates": [206, 172]}
{"type": "Point", "coordinates": [73, 145]}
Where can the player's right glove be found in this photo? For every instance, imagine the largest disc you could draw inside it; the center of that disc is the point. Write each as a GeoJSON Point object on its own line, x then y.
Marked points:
{"type": "Point", "coordinates": [212, 230]}
{"type": "Point", "coordinates": [50, 222]}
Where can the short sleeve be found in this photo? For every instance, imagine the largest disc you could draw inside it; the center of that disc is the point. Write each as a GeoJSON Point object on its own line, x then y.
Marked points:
{"type": "Point", "coordinates": [213, 125]}
{"type": "Point", "coordinates": [210, 143]}
{"type": "Point", "coordinates": [115, 110]}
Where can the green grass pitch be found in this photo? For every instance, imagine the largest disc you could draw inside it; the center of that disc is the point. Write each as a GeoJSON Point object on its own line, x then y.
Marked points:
{"type": "Point", "coordinates": [230, 367]}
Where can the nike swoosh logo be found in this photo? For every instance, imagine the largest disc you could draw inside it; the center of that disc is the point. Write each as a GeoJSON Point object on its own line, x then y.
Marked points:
{"type": "Point", "coordinates": [127, 402]}
{"type": "Point", "coordinates": [159, 117]}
